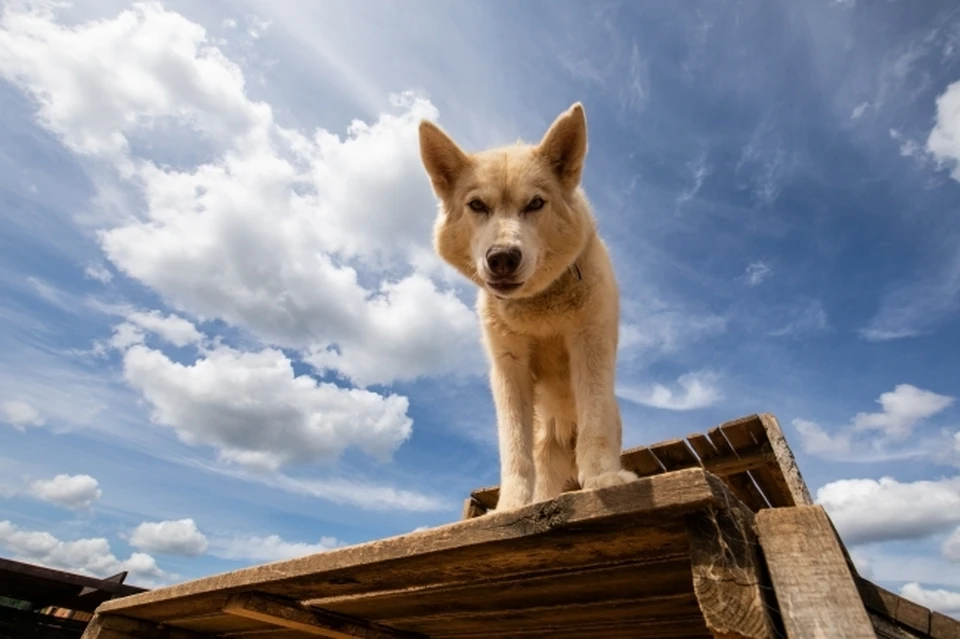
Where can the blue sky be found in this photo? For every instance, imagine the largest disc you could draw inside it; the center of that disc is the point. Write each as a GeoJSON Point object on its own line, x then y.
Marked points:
{"type": "Point", "coordinates": [225, 339]}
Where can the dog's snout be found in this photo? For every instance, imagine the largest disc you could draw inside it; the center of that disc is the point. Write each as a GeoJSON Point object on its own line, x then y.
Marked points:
{"type": "Point", "coordinates": [503, 261]}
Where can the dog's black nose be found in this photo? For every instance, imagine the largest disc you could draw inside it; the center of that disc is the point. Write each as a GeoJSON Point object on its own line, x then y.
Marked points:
{"type": "Point", "coordinates": [503, 262]}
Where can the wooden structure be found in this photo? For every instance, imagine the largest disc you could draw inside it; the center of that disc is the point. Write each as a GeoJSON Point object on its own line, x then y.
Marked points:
{"type": "Point", "coordinates": [719, 538]}
{"type": "Point", "coordinates": [42, 603]}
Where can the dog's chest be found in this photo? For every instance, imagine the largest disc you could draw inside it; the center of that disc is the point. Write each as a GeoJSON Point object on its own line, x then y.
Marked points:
{"type": "Point", "coordinates": [547, 314]}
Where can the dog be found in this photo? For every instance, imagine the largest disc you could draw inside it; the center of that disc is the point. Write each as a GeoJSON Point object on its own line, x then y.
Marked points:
{"type": "Point", "coordinates": [515, 221]}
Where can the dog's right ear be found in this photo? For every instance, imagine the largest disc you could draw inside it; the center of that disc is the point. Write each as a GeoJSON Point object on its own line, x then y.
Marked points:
{"type": "Point", "coordinates": [442, 158]}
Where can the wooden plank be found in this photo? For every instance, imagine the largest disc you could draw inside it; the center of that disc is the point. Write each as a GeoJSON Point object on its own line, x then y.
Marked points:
{"type": "Point", "coordinates": [486, 497]}
{"type": "Point", "coordinates": [766, 456]}
{"type": "Point", "coordinates": [793, 483]}
{"type": "Point", "coordinates": [654, 611]}
{"type": "Point", "coordinates": [641, 461]}
{"type": "Point", "coordinates": [313, 621]}
{"type": "Point", "coordinates": [661, 577]}
{"type": "Point", "coordinates": [817, 594]}
{"type": "Point", "coordinates": [887, 629]}
{"type": "Point", "coordinates": [473, 548]}
{"type": "Point", "coordinates": [746, 435]}
{"type": "Point", "coordinates": [472, 508]}
{"type": "Point", "coordinates": [727, 578]}
{"type": "Point", "coordinates": [687, 627]}
{"type": "Point", "coordinates": [894, 607]}
{"type": "Point", "coordinates": [944, 627]}
{"type": "Point", "coordinates": [741, 484]}
{"type": "Point", "coordinates": [105, 626]}
{"type": "Point", "coordinates": [675, 454]}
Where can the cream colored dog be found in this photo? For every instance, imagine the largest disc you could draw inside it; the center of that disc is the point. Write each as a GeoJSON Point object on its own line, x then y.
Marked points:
{"type": "Point", "coordinates": [516, 222]}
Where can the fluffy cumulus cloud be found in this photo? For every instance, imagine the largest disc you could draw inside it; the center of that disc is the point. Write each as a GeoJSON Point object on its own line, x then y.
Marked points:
{"type": "Point", "coordinates": [903, 408]}
{"type": "Point", "coordinates": [869, 510]}
{"type": "Point", "coordinates": [694, 390]}
{"type": "Point", "coordinates": [944, 139]}
{"type": "Point", "coordinates": [267, 548]}
{"type": "Point", "coordinates": [279, 231]}
{"type": "Point", "coordinates": [256, 411]}
{"type": "Point", "coordinates": [939, 599]}
{"type": "Point", "coordinates": [176, 537]}
{"type": "Point", "coordinates": [20, 414]}
{"type": "Point", "coordinates": [86, 556]}
{"type": "Point", "coordinates": [172, 328]}
{"type": "Point", "coordinates": [70, 491]}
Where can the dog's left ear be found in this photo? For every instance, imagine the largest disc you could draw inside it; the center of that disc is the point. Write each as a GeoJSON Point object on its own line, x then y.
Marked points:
{"type": "Point", "coordinates": [565, 145]}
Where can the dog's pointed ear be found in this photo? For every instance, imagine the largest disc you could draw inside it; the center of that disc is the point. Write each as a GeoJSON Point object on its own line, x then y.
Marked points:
{"type": "Point", "coordinates": [443, 159]}
{"type": "Point", "coordinates": [565, 145]}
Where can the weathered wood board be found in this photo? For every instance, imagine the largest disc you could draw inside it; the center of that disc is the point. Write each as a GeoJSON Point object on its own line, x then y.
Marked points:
{"type": "Point", "coordinates": [750, 454]}
{"type": "Point", "coordinates": [607, 563]}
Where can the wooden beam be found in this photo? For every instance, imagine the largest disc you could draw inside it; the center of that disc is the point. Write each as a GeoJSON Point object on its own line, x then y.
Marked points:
{"type": "Point", "coordinates": [789, 479]}
{"type": "Point", "coordinates": [727, 576]}
{"type": "Point", "coordinates": [816, 591]}
{"type": "Point", "coordinates": [117, 627]}
{"type": "Point", "coordinates": [321, 623]}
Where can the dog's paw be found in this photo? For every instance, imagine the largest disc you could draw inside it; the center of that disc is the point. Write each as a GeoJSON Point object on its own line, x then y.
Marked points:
{"type": "Point", "coordinates": [605, 480]}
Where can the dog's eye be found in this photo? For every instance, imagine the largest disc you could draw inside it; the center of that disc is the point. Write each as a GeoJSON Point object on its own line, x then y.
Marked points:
{"type": "Point", "coordinates": [535, 204]}
{"type": "Point", "coordinates": [477, 205]}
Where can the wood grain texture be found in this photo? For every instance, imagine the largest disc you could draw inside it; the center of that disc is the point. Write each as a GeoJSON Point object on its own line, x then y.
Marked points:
{"type": "Point", "coordinates": [104, 626]}
{"type": "Point", "coordinates": [789, 478]}
{"type": "Point", "coordinates": [474, 548]}
{"type": "Point", "coordinates": [750, 453]}
{"type": "Point", "coordinates": [727, 577]}
{"type": "Point", "coordinates": [816, 592]}
{"type": "Point", "coordinates": [321, 623]}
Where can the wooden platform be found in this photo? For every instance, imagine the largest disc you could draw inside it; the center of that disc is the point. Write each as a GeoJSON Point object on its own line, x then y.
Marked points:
{"type": "Point", "coordinates": [690, 550]}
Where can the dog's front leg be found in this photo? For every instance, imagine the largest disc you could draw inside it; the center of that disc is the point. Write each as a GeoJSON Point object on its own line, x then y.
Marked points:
{"type": "Point", "coordinates": [512, 386]}
{"type": "Point", "coordinates": [599, 430]}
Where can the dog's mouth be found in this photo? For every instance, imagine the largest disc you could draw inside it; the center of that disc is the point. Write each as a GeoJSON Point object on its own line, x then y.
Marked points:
{"type": "Point", "coordinates": [504, 288]}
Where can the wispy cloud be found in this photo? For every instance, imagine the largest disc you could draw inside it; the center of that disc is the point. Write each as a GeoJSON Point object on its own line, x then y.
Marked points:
{"type": "Point", "coordinates": [756, 273]}
{"type": "Point", "coordinates": [693, 391]}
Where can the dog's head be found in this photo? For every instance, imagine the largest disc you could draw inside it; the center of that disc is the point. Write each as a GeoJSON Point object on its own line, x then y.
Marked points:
{"type": "Point", "coordinates": [514, 218]}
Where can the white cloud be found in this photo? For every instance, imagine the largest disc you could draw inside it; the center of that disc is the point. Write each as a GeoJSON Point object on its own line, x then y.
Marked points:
{"type": "Point", "coordinates": [98, 82]}
{"type": "Point", "coordinates": [951, 546]}
{"type": "Point", "coordinates": [944, 139]}
{"type": "Point", "coordinates": [903, 408]}
{"type": "Point", "coordinates": [70, 491]}
{"type": "Point", "coordinates": [266, 236]}
{"type": "Point", "coordinates": [362, 495]}
{"type": "Point", "coordinates": [175, 537]}
{"type": "Point", "coordinates": [87, 556]}
{"type": "Point", "coordinates": [869, 510]}
{"type": "Point", "coordinates": [98, 272]}
{"type": "Point", "coordinates": [696, 390]}
{"type": "Point", "coordinates": [816, 441]}
{"type": "Point", "coordinates": [257, 412]}
{"type": "Point", "coordinates": [20, 414]}
{"type": "Point", "coordinates": [941, 600]}
{"type": "Point", "coordinates": [339, 490]}
{"type": "Point", "coordinates": [173, 328]}
{"type": "Point", "coordinates": [756, 272]}
{"type": "Point", "coordinates": [859, 110]}
{"type": "Point", "coordinates": [267, 549]}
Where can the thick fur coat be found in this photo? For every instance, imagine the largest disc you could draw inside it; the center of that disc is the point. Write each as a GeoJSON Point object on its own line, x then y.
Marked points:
{"type": "Point", "coordinates": [516, 222]}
